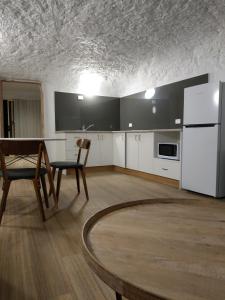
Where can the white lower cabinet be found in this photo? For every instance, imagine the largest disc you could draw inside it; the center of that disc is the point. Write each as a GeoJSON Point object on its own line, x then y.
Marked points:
{"type": "Point", "coordinates": [71, 146]}
{"type": "Point", "coordinates": [132, 156]}
{"type": "Point", "coordinates": [146, 149]}
{"type": "Point", "coordinates": [101, 150]}
{"type": "Point", "coordinates": [119, 147]}
{"type": "Point", "coordinates": [140, 151]}
{"type": "Point", "coordinates": [132, 150]}
{"type": "Point", "coordinates": [167, 168]}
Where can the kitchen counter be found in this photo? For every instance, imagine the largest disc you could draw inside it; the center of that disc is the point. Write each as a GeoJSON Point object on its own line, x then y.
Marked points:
{"type": "Point", "coordinates": [127, 131]}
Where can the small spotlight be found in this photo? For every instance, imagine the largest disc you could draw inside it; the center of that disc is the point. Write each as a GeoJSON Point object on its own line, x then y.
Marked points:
{"type": "Point", "coordinates": [80, 97]}
{"type": "Point", "coordinates": [149, 93]}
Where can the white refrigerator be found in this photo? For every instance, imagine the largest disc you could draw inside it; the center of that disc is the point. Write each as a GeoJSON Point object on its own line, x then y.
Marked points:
{"type": "Point", "coordinates": [203, 145]}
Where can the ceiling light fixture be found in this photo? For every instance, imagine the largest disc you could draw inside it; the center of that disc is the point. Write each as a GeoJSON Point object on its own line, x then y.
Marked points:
{"type": "Point", "coordinates": [149, 93]}
{"type": "Point", "coordinates": [80, 97]}
{"type": "Point", "coordinates": [90, 83]}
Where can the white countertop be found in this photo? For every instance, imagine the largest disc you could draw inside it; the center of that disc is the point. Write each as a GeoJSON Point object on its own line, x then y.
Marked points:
{"type": "Point", "coordinates": [127, 131]}
{"type": "Point", "coordinates": [33, 139]}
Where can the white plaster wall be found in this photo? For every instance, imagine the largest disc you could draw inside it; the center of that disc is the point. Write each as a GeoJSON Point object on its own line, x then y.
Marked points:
{"type": "Point", "coordinates": [183, 61]}
{"type": "Point", "coordinates": [56, 149]}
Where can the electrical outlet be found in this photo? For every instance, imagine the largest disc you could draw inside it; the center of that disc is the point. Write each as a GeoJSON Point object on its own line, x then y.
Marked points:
{"type": "Point", "coordinates": [177, 121]}
{"type": "Point", "coordinates": [130, 125]}
{"type": "Point", "coordinates": [154, 109]}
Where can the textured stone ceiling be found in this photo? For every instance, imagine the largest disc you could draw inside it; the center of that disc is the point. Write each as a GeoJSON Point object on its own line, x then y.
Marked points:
{"type": "Point", "coordinates": [41, 38]}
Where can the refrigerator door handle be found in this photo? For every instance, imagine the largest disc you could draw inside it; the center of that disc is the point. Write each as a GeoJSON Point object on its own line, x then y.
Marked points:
{"type": "Point", "coordinates": [200, 125]}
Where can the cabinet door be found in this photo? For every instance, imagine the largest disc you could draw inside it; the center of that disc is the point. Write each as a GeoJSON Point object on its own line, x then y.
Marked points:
{"type": "Point", "coordinates": [94, 158]}
{"type": "Point", "coordinates": [106, 149]}
{"type": "Point", "coordinates": [146, 144]}
{"type": "Point", "coordinates": [71, 150]}
{"type": "Point", "coordinates": [119, 149]}
{"type": "Point", "coordinates": [132, 151]}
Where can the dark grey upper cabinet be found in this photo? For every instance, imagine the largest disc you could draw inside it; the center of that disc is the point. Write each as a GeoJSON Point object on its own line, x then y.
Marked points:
{"type": "Point", "coordinates": [67, 112]}
{"type": "Point", "coordinates": [73, 114]}
{"type": "Point", "coordinates": [103, 112]}
{"type": "Point", "coordinates": [168, 101]}
{"type": "Point", "coordinates": [108, 113]}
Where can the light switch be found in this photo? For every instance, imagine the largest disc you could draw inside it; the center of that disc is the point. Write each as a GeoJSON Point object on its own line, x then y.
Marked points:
{"type": "Point", "coordinates": [130, 125]}
{"type": "Point", "coordinates": [177, 121]}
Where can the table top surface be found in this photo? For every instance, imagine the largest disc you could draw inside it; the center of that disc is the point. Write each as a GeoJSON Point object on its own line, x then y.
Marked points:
{"type": "Point", "coordinates": [167, 249]}
{"type": "Point", "coordinates": [33, 139]}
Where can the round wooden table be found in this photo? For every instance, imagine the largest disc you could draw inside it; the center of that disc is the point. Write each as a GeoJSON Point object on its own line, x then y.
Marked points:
{"type": "Point", "coordinates": [159, 249]}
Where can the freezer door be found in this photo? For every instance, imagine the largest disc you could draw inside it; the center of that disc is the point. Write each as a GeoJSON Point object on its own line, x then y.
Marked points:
{"type": "Point", "coordinates": [201, 104]}
{"type": "Point", "coordinates": [199, 159]}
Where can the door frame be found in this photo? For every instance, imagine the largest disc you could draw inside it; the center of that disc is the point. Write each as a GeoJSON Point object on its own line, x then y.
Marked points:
{"type": "Point", "coordinates": [1, 103]}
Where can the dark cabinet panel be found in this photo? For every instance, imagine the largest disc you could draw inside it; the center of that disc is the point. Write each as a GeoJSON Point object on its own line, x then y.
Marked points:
{"type": "Point", "coordinates": [109, 113]}
{"type": "Point", "coordinates": [67, 111]}
{"type": "Point", "coordinates": [72, 114]}
{"type": "Point", "coordinates": [168, 103]}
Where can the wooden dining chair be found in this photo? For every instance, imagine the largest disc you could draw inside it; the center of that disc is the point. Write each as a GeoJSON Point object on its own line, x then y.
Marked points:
{"type": "Point", "coordinates": [83, 145]}
{"type": "Point", "coordinates": [23, 150]}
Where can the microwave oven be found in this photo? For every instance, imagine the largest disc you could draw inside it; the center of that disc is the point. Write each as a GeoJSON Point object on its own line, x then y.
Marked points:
{"type": "Point", "coordinates": [168, 151]}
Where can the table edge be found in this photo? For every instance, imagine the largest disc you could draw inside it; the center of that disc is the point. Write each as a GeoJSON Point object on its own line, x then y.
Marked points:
{"type": "Point", "coordinates": [123, 287]}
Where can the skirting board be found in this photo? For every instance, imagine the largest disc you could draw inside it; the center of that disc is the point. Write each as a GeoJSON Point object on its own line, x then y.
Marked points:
{"type": "Point", "coordinates": [92, 169]}
{"type": "Point", "coordinates": [147, 176]}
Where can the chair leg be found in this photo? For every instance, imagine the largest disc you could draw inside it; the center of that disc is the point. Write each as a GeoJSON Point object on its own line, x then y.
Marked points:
{"type": "Point", "coordinates": [43, 183]}
{"type": "Point", "coordinates": [53, 176]}
{"type": "Point", "coordinates": [37, 188]}
{"type": "Point", "coordinates": [58, 183]}
{"type": "Point", "coordinates": [118, 296]}
{"type": "Point", "coordinates": [84, 182]}
{"type": "Point", "coordinates": [5, 189]}
{"type": "Point", "coordinates": [78, 180]}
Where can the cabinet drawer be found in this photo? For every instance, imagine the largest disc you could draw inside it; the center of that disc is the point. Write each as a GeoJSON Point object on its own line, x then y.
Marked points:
{"type": "Point", "coordinates": [166, 168]}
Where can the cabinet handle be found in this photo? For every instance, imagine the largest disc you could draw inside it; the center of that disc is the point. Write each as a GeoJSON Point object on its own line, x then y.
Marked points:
{"type": "Point", "coordinates": [102, 137]}
{"type": "Point", "coordinates": [139, 137]}
{"type": "Point", "coordinates": [164, 169]}
{"type": "Point", "coordinates": [135, 137]}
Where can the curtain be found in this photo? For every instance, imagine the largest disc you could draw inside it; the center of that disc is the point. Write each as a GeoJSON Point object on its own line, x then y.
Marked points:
{"type": "Point", "coordinates": [27, 117]}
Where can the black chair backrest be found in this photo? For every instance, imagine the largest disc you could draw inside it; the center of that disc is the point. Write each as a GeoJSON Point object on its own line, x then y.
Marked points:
{"type": "Point", "coordinates": [83, 144]}
{"type": "Point", "coordinates": [17, 147]}
{"type": "Point", "coordinates": [20, 148]}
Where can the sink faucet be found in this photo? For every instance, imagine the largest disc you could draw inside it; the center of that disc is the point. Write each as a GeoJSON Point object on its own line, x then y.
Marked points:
{"type": "Point", "coordinates": [89, 126]}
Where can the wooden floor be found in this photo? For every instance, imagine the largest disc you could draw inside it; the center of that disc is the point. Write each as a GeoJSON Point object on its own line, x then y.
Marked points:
{"type": "Point", "coordinates": [44, 260]}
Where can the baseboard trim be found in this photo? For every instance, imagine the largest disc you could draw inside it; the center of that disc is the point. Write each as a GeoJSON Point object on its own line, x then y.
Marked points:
{"type": "Point", "coordinates": [93, 169]}
{"type": "Point", "coordinates": [147, 176]}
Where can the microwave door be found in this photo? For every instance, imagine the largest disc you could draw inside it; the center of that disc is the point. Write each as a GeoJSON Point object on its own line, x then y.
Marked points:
{"type": "Point", "coordinates": [168, 150]}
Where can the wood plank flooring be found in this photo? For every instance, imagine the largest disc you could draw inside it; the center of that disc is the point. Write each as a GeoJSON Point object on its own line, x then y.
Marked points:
{"type": "Point", "coordinates": [44, 260]}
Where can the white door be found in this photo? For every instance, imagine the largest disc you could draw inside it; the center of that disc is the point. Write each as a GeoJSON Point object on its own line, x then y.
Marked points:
{"type": "Point", "coordinates": [106, 149]}
{"type": "Point", "coordinates": [119, 149]}
{"type": "Point", "coordinates": [199, 159]}
{"type": "Point", "coordinates": [146, 144]}
{"type": "Point", "coordinates": [201, 104]}
{"type": "Point", "coordinates": [94, 157]}
{"type": "Point", "coordinates": [132, 151]}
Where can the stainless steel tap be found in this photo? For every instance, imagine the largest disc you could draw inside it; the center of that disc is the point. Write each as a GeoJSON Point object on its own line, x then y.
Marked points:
{"type": "Point", "coordinates": [88, 127]}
